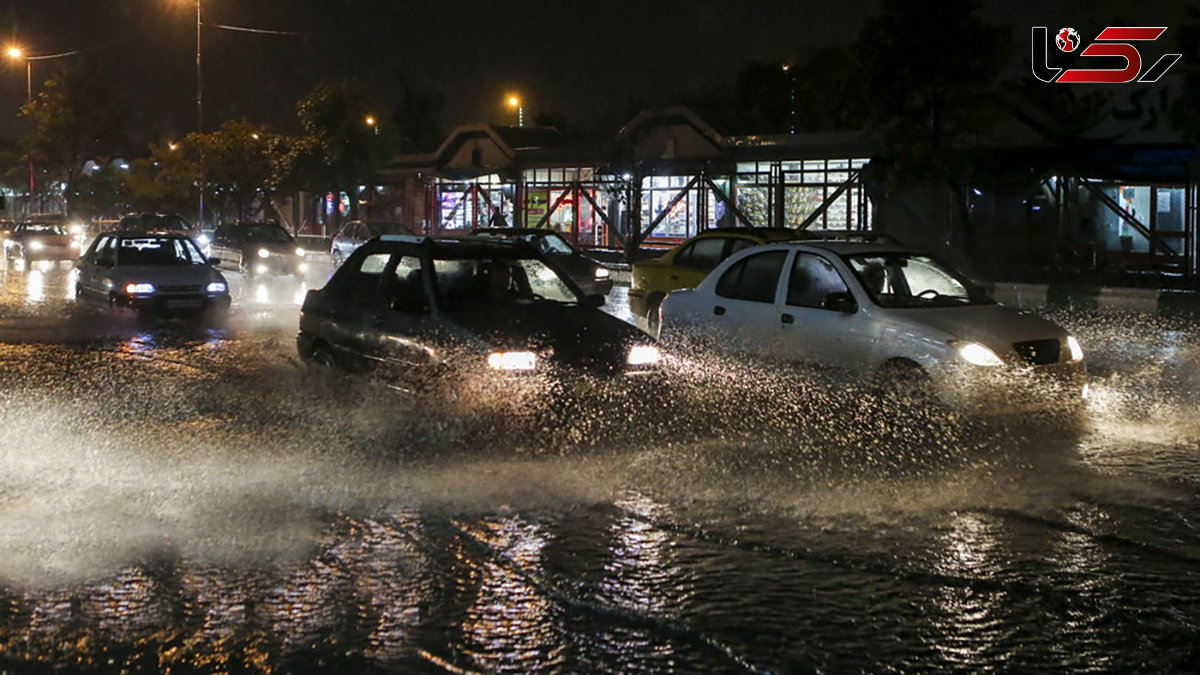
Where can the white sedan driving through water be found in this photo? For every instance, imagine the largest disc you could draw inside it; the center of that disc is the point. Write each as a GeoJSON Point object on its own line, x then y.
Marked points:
{"type": "Point", "coordinates": [885, 315]}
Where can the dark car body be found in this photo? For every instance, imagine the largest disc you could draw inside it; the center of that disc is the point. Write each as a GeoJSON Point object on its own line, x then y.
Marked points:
{"type": "Point", "coordinates": [258, 248]}
{"type": "Point", "coordinates": [36, 240]}
{"type": "Point", "coordinates": [355, 233]}
{"type": "Point", "coordinates": [152, 273]}
{"type": "Point", "coordinates": [592, 277]}
{"type": "Point", "coordinates": [478, 313]}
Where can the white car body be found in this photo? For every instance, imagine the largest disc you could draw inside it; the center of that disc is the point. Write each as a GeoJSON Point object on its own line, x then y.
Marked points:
{"type": "Point", "coordinates": [112, 273]}
{"type": "Point", "coordinates": [975, 354]}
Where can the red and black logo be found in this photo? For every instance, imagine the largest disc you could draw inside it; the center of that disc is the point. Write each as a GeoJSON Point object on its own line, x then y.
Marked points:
{"type": "Point", "coordinates": [1112, 41]}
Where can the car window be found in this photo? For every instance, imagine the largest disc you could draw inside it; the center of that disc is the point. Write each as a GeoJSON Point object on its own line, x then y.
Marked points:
{"type": "Point", "coordinates": [406, 289]}
{"type": "Point", "coordinates": [736, 245]}
{"type": "Point", "coordinates": [702, 254]}
{"type": "Point", "coordinates": [106, 253]}
{"type": "Point", "coordinates": [911, 280]}
{"type": "Point", "coordinates": [363, 282]}
{"type": "Point", "coordinates": [552, 243]}
{"type": "Point", "coordinates": [811, 280]}
{"type": "Point", "coordinates": [264, 232]}
{"type": "Point", "coordinates": [484, 283]}
{"type": "Point", "coordinates": [157, 251]}
{"type": "Point", "coordinates": [753, 278]}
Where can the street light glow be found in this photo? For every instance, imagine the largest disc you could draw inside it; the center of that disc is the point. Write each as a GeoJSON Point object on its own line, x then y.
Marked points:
{"type": "Point", "coordinates": [15, 52]}
{"type": "Point", "coordinates": [370, 121]}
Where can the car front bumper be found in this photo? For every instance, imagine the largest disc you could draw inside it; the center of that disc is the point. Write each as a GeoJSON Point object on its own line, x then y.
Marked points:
{"type": "Point", "coordinates": [169, 304]}
{"type": "Point", "coordinates": [1012, 390]}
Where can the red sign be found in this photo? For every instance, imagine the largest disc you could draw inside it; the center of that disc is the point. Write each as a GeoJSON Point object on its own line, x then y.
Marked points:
{"type": "Point", "coordinates": [1112, 41]}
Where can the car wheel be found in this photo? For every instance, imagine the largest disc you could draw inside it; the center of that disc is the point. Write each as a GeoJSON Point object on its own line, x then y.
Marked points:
{"type": "Point", "coordinates": [323, 358]}
{"type": "Point", "coordinates": [336, 256]}
{"type": "Point", "coordinates": [243, 268]}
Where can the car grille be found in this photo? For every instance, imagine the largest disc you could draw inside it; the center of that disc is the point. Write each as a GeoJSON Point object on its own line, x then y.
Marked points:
{"type": "Point", "coordinates": [179, 289]}
{"type": "Point", "coordinates": [1038, 352]}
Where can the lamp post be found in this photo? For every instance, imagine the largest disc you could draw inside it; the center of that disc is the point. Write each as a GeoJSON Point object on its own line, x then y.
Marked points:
{"type": "Point", "coordinates": [199, 118]}
{"type": "Point", "coordinates": [515, 103]}
{"type": "Point", "coordinates": [15, 53]}
{"type": "Point", "coordinates": [787, 70]}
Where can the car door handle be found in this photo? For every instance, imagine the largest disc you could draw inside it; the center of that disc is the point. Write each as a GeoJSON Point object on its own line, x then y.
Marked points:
{"type": "Point", "coordinates": [787, 318]}
{"type": "Point", "coordinates": [719, 310]}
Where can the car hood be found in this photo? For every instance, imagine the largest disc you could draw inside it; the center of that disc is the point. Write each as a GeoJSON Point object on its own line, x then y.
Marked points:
{"type": "Point", "coordinates": [576, 336]}
{"type": "Point", "coordinates": [174, 275]}
{"type": "Point", "coordinates": [272, 246]}
{"type": "Point", "coordinates": [48, 239]}
{"type": "Point", "coordinates": [995, 326]}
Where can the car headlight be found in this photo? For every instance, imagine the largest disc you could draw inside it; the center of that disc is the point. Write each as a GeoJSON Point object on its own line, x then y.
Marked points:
{"type": "Point", "coordinates": [300, 252]}
{"type": "Point", "coordinates": [139, 289]}
{"type": "Point", "coordinates": [216, 287]}
{"type": "Point", "coordinates": [264, 253]}
{"type": "Point", "coordinates": [512, 360]}
{"type": "Point", "coordinates": [976, 354]}
{"type": "Point", "coordinates": [602, 273]}
{"type": "Point", "coordinates": [36, 246]}
{"type": "Point", "coordinates": [1076, 350]}
{"type": "Point", "coordinates": [202, 239]}
{"type": "Point", "coordinates": [74, 243]}
{"type": "Point", "coordinates": [643, 355]}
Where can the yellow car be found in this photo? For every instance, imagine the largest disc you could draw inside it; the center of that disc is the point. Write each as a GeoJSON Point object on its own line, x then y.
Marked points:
{"type": "Point", "coordinates": [686, 265]}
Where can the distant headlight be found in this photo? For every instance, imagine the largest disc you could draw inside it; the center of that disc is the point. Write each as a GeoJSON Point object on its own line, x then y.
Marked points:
{"type": "Point", "coordinates": [512, 360]}
{"type": "Point", "coordinates": [36, 246]}
{"type": "Point", "coordinates": [139, 289]}
{"type": "Point", "coordinates": [1076, 350]}
{"type": "Point", "coordinates": [976, 354]}
{"type": "Point", "coordinates": [217, 287]}
{"type": "Point", "coordinates": [73, 244]}
{"type": "Point", "coordinates": [202, 239]}
{"type": "Point", "coordinates": [643, 355]}
{"type": "Point", "coordinates": [602, 273]}
{"type": "Point", "coordinates": [300, 252]}
{"type": "Point", "coordinates": [264, 253]}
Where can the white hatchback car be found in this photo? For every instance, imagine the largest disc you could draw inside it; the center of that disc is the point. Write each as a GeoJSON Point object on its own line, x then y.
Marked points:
{"type": "Point", "coordinates": [152, 273]}
{"type": "Point", "coordinates": [885, 315]}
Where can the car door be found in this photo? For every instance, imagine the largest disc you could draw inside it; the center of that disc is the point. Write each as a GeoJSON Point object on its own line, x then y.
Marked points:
{"type": "Point", "coordinates": [222, 248]}
{"type": "Point", "coordinates": [94, 267]}
{"type": "Point", "coordinates": [740, 313]}
{"type": "Point", "coordinates": [694, 262]}
{"type": "Point", "coordinates": [397, 322]}
{"type": "Point", "coordinates": [820, 323]}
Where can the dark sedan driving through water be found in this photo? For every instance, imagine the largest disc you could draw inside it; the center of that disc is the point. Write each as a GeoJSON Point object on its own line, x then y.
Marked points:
{"type": "Point", "coordinates": [472, 315]}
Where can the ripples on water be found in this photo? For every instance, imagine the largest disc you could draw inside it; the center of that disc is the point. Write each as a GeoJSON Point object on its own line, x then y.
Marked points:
{"type": "Point", "coordinates": [198, 502]}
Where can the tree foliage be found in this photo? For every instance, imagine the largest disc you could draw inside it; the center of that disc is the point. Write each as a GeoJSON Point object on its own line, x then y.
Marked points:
{"type": "Point", "coordinates": [165, 181]}
{"type": "Point", "coordinates": [235, 163]}
{"type": "Point", "coordinates": [74, 119]}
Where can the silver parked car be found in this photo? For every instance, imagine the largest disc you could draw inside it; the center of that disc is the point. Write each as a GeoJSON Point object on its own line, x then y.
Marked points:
{"type": "Point", "coordinates": [355, 233]}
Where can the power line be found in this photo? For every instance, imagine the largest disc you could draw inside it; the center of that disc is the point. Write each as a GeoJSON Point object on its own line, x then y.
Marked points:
{"type": "Point", "coordinates": [260, 31]}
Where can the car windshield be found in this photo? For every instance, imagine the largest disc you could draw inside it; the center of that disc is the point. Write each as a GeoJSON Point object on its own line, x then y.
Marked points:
{"type": "Point", "coordinates": [910, 280]}
{"type": "Point", "coordinates": [266, 233]}
{"type": "Point", "coordinates": [159, 251]}
{"type": "Point", "coordinates": [41, 228]}
{"type": "Point", "coordinates": [550, 243]}
{"type": "Point", "coordinates": [482, 283]}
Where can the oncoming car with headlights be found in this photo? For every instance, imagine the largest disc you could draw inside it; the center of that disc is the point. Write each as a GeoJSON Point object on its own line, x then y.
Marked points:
{"type": "Point", "coordinates": [151, 273]}
{"type": "Point", "coordinates": [41, 240]}
{"type": "Point", "coordinates": [489, 317]}
{"type": "Point", "coordinates": [256, 249]}
{"type": "Point", "coordinates": [889, 317]}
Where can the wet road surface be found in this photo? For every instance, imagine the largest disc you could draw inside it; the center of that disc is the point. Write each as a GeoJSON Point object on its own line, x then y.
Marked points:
{"type": "Point", "coordinates": [195, 500]}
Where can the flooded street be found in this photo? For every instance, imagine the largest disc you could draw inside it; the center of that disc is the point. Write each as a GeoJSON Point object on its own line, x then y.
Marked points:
{"type": "Point", "coordinates": [196, 500]}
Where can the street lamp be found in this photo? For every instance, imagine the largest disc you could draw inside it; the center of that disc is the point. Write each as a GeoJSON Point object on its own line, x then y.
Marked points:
{"type": "Point", "coordinates": [18, 54]}
{"type": "Point", "coordinates": [370, 121]}
{"type": "Point", "coordinates": [515, 103]}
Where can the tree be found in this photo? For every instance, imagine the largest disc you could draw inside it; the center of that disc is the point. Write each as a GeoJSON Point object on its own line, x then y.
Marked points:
{"type": "Point", "coordinates": [164, 182]}
{"type": "Point", "coordinates": [342, 145]}
{"type": "Point", "coordinates": [102, 193]}
{"type": "Point", "coordinates": [236, 164]}
{"type": "Point", "coordinates": [74, 119]}
{"type": "Point", "coordinates": [416, 118]}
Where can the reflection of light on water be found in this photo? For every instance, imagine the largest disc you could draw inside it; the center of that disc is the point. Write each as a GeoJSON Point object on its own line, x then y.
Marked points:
{"type": "Point", "coordinates": [640, 570]}
{"type": "Point", "coordinates": [510, 619]}
{"type": "Point", "coordinates": [970, 625]}
{"type": "Point", "coordinates": [35, 287]}
{"type": "Point", "coordinates": [298, 298]}
{"type": "Point", "coordinates": [262, 294]}
{"type": "Point", "coordinates": [72, 282]}
{"type": "Point", "coordinates": [139, 346]}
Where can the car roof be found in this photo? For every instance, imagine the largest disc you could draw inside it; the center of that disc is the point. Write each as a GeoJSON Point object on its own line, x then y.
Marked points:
{"type": "Point", "coordinates": [847, 247]}
{"type": "Point", "coordinates": [453, 247]}
{"type": "Point", "coordinates": [766, 233]}
{"type": "Point", "coordinates": [144, 234]}
{"type": "Point", "coordinates": [516, 231]}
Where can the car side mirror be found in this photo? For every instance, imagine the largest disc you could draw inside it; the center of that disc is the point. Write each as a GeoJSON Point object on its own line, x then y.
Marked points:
{"type": "Point", "coordinates": [595, 300]}
{"type": "Point", "coordinates": [840, 302]}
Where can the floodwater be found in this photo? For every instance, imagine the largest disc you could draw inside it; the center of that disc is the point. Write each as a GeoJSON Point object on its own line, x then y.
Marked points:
{"type": "Point", "coordinates": [194, 500]}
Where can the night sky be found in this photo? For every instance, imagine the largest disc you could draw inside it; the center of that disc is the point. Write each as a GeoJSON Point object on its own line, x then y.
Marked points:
{"type": "Point", "coordinates": [582, 60]}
